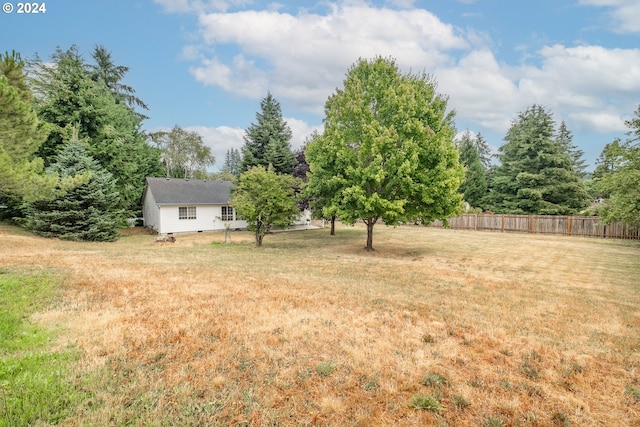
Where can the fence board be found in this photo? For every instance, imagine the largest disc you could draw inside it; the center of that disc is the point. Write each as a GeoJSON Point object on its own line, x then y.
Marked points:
{"type": "Point", "coordinates": [588, 226]}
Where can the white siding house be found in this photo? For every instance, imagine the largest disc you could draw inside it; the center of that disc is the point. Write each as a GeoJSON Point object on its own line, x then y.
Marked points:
{"type": "Point", "coordinates": [172, 205]}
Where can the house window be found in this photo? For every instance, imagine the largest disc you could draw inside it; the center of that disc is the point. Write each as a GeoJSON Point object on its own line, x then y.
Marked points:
{"type": "Point", "coordinates": [187, 212]}
{"type": "Point", "coordinates": [227, 213]}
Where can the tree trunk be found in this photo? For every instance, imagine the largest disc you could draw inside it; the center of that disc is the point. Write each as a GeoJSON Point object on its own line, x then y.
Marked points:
{"type": "Point", "coordinates": [370, 223]}
{"type": "Point", "coordinates": [259, 232]}
{"type": "Point", "coordinates": [333, 225]}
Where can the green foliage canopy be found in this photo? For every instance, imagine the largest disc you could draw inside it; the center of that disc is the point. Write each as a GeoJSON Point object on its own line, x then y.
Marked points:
{"type": "Point", "coordinates": [265, 199]}
{"type": "Point", "coordinates": [21, 134]}
{"type": "Point", "coordinates": [474, 187]}
{"type": "Point", "coordinates": [184, 153]}
{"type": "Point", "coordinates": [536, 174]}
{"type": "Point", "coordinates": [74, 97]}
{"type": "Point", "coordinates": [387, 151]}
{"type": "Point", "coordinates": [621, 181]}
{"type": "Point", "coordinates": [87, 209]}
{"type": "Point", "coordinates": [267, 142]}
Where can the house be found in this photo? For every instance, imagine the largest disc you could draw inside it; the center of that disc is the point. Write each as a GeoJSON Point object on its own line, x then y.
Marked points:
{"type": "Point", "coordinates": [176, 205]}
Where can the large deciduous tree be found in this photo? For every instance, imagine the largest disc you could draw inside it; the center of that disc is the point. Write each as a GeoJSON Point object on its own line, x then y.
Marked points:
{"type": "Point", "coordinates": [265, 199]}
{"type": "Point", "coordinates": [323, 186]}
{"type": "Point", "coordinates": [536, 175]}
{"type": "Point", "coordinates": [86, 208]}
{"type": "Point", "coordinates": [387, 149]}
{"type": "Point", "coordinates": [620, 182]}
{"type": "Point", "coordinates": [184, 153]}
{"type": "Point", "coordinates": [267, 142]}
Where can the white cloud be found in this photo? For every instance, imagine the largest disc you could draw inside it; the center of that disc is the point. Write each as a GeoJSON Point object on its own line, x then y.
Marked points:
{"type": "Point", "coordinates": [591, 87]}
{"type": "Point", "coordinates": [625, 14]}
{"type": "Point", "coordinates": [302, 58]}
{"type": "Point", "coordinates": [583, 82]}
{"type": "Point", "coordinates": [307, 55]}
{"type": "Point", "coordinates": [479, 89]}
{"type": "Point", "coordinates": [599, 122]}
{"type": "Point", "coordinates": [241, 77]}
{"type": "Point", "coordinates": [300, 131]}
{"type": "Point", "coordinates": [219, 139]}
{"type": "Point", "coordinates": [222, 138]}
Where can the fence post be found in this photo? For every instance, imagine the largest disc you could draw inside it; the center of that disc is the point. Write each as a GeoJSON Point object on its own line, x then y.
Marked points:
{"type": "Point", "coordinates": [502, 224]}
{"type": "Point", "coordinates": [569, 225]}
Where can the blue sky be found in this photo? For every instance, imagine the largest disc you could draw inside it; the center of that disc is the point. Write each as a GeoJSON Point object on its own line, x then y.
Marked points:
{"type": "Point", "coordinates": [206, 64]}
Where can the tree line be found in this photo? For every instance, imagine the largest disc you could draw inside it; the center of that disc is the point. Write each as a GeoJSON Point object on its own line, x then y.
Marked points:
{"type": "Point", "coordinates": [74, 156]}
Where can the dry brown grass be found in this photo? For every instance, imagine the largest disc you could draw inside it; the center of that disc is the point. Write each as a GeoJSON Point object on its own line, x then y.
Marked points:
{"type": "Point", "coordinates": [313, 330]}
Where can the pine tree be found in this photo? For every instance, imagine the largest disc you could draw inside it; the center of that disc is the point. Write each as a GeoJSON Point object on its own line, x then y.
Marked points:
{"type": "Point", "coordinates": [267, 142]}
{"type": "Point", "coordinates": [70, 100]}
{"type": "Point", "coordinates": [111, 75]}
{"type": "Point", "coordinates": [565, 139]}
{"type": "Point", "coordinates": [87, 209]}
{"type": "Point", "coordinates": [484, 151]}
{"type": "Point", "coordinates": [232, 162]}
{"type": "Point", "coordinates": [21, 134]}
{"type": "Point", "coordinates": [536, 174]}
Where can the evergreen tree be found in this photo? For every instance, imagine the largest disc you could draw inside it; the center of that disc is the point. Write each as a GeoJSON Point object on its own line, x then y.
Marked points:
{"type": "Point", "coordinates": [484, 152]}
{"type": "Point", "coordinates": [609, 161]}
{"type": "Point", "coordinates": [474, 186]}
{"type": "Point", "coordinates": [70, 100]}
{"type": "Point", "coordinates": [21, 134]}
{"type": "Point", "coordinates": [111, 75]}
{"type": "Point", "coordinates": [267, 142]}
{"type": "Point", "coordinates": [565, 139]}
{"type": "Point", "coordinates": [64, 97]}
{"type": "Point", "coordinates": [536, 174]}
{"type": "Point", "coordinates": [88, 209]}
{"type": "Point", "coordinates": [232, 162]}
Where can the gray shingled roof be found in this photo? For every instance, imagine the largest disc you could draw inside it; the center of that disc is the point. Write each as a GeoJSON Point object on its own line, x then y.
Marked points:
{"type": "Point", "coordinates": [178, 191]}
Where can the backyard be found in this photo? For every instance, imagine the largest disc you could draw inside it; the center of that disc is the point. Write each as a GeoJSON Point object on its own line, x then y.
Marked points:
{"type": "Point", "coordinates": [435, 327]}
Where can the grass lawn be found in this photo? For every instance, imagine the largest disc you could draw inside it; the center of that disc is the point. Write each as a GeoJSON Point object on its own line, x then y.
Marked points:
{"type": "Point", "coordinates": [436, 327]}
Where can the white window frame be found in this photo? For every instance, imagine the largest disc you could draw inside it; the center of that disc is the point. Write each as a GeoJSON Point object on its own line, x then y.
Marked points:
{"type": "Point", "coordinates": [227, 213]}
{"type": "Point", "coordinates": [186, 212]}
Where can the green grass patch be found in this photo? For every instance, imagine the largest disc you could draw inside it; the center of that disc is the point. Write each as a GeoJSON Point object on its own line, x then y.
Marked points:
{"type": "Point", "coordinates": [635, 392]}
{"type": "Point", "coordinates": [426, 402]}
{"type": "Point", "coordinates": [37, 386]}
{"type": "Point", "coordinates": [325, 369]}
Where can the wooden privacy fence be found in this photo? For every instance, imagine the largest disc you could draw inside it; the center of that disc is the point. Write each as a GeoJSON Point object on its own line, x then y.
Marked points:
{"type": "Point", "coordinates": [542, 224]}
